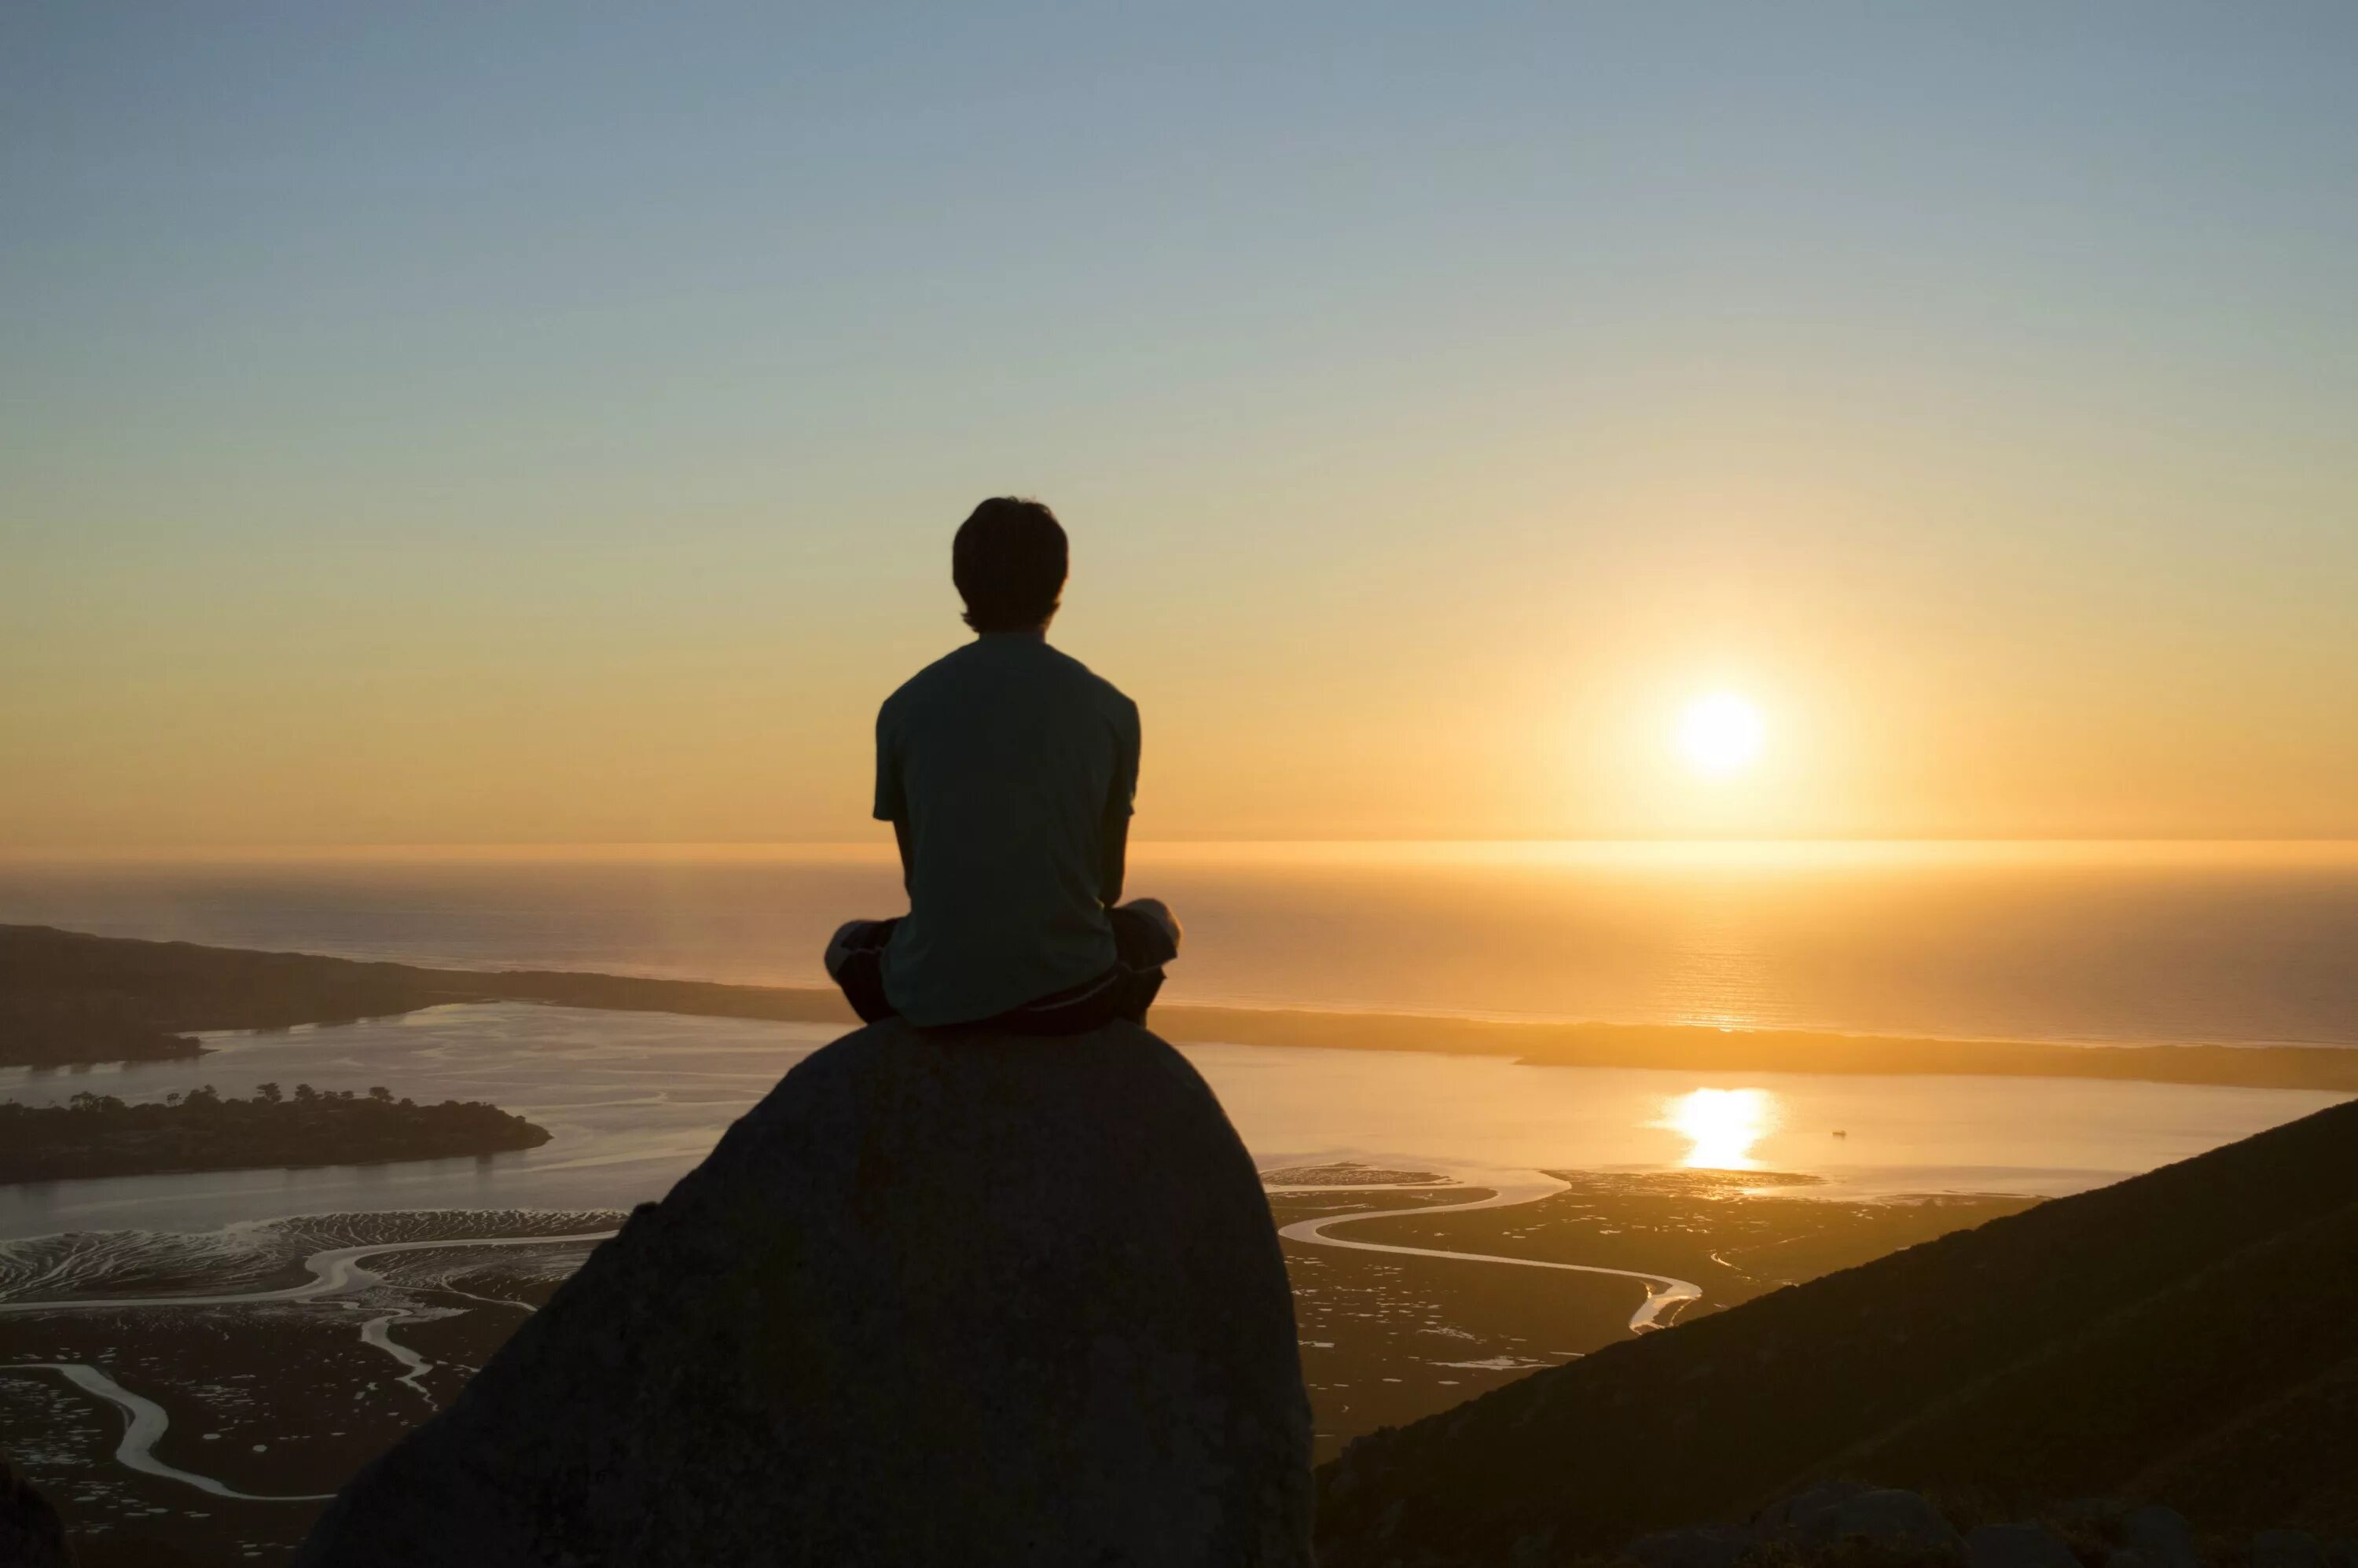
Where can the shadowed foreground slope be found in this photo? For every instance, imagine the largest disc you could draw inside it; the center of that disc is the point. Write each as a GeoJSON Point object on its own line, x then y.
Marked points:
{"type": "Point", "coordinates": [933, 1301]}
{"type": "Point", "coordinates": [2188, 1336]}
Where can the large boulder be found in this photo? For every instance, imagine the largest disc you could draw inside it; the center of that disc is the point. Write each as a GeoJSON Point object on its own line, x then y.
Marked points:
{"type": "Point", "coordinates": [937, 1299]}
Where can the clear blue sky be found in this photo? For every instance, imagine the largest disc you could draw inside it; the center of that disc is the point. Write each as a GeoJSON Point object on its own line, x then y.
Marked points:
{"type": "Point", "coordinates": [468, 422]}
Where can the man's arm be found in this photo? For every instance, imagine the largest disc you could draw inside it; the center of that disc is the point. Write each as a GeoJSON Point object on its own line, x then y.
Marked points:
{"type": "Point", "coordinates": [1113, 831]}
{"type": "Point", "coordinates": [1114, 839]}
{"type": "Point", "coordinates": [891, 800]}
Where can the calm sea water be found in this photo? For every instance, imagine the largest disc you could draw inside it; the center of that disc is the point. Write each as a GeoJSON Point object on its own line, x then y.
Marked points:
{"type": "Point", "coordinates": [2073, 942]}
{"type": "Point", "coordinates": [635, 1099]}
{"type": "Point", "coordinates": [2093, 943]}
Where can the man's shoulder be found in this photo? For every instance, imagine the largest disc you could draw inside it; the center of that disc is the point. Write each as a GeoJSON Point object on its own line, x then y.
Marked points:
{"type": "Point", "coordinates": [942, 673]}
{"type": "Point", "coordinates": [963, 671]}
{"type": "Point", "coordinates": [1081, 673]}
{"type": "Point", "coordinates": [1102, 693]}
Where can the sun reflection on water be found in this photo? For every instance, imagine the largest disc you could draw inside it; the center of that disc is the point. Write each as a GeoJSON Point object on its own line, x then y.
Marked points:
{"type": "Point", "coordinates": [1720, 1126]}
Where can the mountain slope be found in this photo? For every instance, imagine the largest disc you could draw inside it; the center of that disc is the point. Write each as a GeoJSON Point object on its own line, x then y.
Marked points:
{"type": "Point", "coordinates": [2189, 1335]}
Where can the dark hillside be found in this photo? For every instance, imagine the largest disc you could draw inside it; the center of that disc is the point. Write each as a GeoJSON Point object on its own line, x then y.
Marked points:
{"type": "Point", "coordinates": [2189, 1335]}
{"type": "Point", "coordinates": [65, 997]}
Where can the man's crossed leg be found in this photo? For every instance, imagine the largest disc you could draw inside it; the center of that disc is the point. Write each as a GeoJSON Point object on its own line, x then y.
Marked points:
{"type": "Point", "coordinates": [1145, 936]}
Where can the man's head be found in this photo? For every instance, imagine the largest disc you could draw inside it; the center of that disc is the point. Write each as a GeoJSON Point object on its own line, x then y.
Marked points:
{"type": "Point", "coordinates": [1008, 563]}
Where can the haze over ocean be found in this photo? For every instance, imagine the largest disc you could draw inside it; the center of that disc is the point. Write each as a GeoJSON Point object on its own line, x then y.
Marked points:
{"type": "Point", "coordinates": [2095, 943]}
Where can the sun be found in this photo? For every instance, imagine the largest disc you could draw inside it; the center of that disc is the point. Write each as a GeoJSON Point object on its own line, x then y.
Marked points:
{"type": "Point", "coordinates": [1721, 733]}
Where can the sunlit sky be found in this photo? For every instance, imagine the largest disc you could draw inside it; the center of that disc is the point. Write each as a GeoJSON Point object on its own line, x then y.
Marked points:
{"type": "Point", "coordinates": [478, 424]}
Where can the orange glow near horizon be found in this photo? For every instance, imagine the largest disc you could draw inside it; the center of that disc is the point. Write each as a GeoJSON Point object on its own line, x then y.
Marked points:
{"type": "Point", "coordinates": [1629, 854]}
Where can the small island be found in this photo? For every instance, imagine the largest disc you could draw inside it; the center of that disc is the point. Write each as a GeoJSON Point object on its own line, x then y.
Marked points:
{"type": "Point", "coordinates": [99, 1135]}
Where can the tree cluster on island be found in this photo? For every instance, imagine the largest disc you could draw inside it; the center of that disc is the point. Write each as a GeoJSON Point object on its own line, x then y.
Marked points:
{"type": "Point", "coordinates": [101, 1135]}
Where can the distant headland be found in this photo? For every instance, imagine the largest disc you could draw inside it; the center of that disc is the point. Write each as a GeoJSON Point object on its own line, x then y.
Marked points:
{"type": "Point", "coordinates": [67, 996]}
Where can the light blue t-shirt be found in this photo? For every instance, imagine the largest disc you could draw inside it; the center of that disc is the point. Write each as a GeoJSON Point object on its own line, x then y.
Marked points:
{"type": "Point", "coordinates": [1005, 760]}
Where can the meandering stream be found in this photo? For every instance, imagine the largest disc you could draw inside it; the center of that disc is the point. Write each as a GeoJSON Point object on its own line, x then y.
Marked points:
{"type": "Point", "coordinates": [1507, 1189]}
{"type": "Point", "coordinates": [341, 1270]}
{"type": "Point", "coordinates": [334, 1271]}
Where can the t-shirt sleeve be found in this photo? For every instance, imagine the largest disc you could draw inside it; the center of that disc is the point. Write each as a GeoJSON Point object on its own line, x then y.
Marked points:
{"type": "Point", "coordinates": [891, 798]}
{"type": "Point", "coordinates": [1122, 798]}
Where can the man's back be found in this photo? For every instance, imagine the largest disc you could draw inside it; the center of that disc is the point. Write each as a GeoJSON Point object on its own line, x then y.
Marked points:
{"type": "Point", "coordinates": [1005, 760]}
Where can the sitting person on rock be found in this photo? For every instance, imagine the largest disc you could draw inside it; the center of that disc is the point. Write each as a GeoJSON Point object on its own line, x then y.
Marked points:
{"type": "Point", "coordinates": [1007, 771]}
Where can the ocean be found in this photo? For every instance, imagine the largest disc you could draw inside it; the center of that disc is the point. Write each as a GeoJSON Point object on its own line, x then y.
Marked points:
{"type": "Point", "coordinates": [2089, 943]}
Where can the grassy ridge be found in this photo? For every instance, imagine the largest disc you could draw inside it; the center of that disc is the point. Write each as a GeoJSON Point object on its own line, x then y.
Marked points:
{"type": "Point", "coordinates": [2188, 1336]}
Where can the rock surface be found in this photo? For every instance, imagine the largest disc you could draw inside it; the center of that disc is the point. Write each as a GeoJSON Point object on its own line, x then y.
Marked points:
{"type": "Point", "coordinates": [2161, 1537]}
{"type": "Point", "coordinates": [1786, 1513]}
{"type": "Point", "coordinates": [2286, 1549]}
{"type": "Point", "coordinates": [2017, 1546]}
{"type": "Point", "coordinates": [1824, 1522]}
{"type": "Point", "coordinates": [1887, 1516]}
{"type": "Point", "coordinates": [936, 1299]}
{"type": "Point", "coordinates": [1697, 1546]}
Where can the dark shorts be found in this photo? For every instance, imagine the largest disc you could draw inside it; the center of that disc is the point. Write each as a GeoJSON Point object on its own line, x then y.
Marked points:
{"type": "Point", "coordinates": [1145, 937]}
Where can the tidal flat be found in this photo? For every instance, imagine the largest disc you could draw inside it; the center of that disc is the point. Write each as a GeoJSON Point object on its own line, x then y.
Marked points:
{"type": "Point", "coordinates": [1387, 1338]}
{"type": "Point", "coordinates": [276, 1379]}
{"type": "Point", "coordinates": [284, 1397]}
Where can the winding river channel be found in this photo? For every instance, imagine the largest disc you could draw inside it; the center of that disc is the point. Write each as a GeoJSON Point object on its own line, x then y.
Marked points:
{"type": "Point", "coordinates": [335, 1271]}
{"type": "Point", "coordinates": [1508, 1189]}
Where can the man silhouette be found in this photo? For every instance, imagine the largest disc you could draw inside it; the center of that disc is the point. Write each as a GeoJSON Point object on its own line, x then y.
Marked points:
{"type": "Point", "coordinates": [1008, 771]}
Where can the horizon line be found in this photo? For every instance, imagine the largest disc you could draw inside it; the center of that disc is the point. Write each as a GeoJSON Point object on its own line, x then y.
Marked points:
{"type": "Point", "coordinates": [1607, 850]}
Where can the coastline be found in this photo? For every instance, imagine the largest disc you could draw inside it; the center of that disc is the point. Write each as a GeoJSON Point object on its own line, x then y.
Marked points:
{"type": "Point", "coordinates": [1531, 1043]}
{"type": "Point", "coordinates": [1718, 1049]}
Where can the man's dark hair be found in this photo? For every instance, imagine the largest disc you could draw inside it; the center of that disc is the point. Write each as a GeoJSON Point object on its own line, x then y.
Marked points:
{"type": "Point", "coordinates": [1009, 562]}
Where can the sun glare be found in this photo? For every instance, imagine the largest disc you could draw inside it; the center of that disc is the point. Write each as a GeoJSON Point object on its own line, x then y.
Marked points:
{"type": "Point", "coordinates": [1721, 733]}
{"type": "Point", "coordinates": [1720, 1126]}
